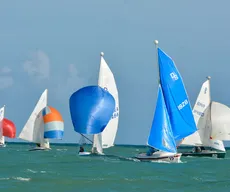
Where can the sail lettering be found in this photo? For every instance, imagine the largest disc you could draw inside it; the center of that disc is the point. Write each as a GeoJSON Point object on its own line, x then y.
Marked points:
{"type": "Point", "coordinates": [200, 104]}
{"type": "Point", "coordinates": [205, 90]}
{"type": "Point", "coordinates": [174, 76]}
{"type": "Point", "coordinates": [115, 113]}
{"type": "Point", "coordinates": [183, 104]}
{"type": "Point", "coordinates": [198, 113]}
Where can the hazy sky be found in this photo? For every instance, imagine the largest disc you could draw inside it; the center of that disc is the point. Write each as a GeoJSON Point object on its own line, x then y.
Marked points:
{"type": "Point", "coordinates": [56, 45]}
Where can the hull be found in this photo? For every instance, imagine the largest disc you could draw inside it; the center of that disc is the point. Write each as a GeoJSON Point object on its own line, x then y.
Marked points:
{"type": "Point", "coordinates": [84, 153]}
{"type": "Point", "coordinates": [39, 149]}
{"type": "Point", "coordinates": [160, 156]}
{"type": "Point", "coordinates": [89, 154]}
{"type": "Point", "coordinates": [2, 145]}
{"type": "Point", "coordinates": [206, 153]}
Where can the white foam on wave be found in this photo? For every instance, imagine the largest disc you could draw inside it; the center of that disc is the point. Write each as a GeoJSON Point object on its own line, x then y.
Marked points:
{"type": "Point", "coordinates": [6, 178]}
{"type": "Point", "coordinates": [61, 149]}
{"type": "Point", "coordinates": [32, 171]}
{"type": "Point", "coordinates": [21, 178]}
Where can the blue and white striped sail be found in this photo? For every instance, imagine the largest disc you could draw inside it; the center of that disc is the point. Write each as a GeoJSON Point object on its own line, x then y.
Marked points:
{"type": "Point", "coordinates": [176, 98]}
{"type": "Point", "coordinates": [161, 135]}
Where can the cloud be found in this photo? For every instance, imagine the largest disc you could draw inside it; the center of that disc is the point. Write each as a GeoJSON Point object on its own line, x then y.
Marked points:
{"type": "Point", "coordinates": [73, 82]}
{"type": "Point", "coordinates": [6, 69]}
{"type": "Point", "coordinates": [6, 81]}
{"type": "Point", "coordinates": [38, 65]}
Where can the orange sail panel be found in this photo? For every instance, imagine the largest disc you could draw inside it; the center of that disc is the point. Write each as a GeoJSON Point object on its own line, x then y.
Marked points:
{"type": "Point", "coordinates": [53, 123]}
{"type": "Point", "coordinates": [9, 129]}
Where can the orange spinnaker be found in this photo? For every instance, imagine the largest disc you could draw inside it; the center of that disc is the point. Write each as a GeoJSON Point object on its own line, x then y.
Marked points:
{"type": "Point", "coordinates": [54, 115]}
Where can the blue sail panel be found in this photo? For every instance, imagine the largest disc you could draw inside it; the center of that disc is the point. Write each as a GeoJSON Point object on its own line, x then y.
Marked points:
{"type": "Point", "coordinates": [176, 98]}
{"type": "Point", "coordinates": [91, 109]}
{"type": "Point", "coordinates": [161, 135]}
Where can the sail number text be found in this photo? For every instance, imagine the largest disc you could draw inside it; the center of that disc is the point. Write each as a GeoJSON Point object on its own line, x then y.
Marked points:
{"type": "Point", "coordinates": [198, 113]}
{"type": "Point", "coordinates": [183, 104]}
{"type": "Point", "coordinates": [115, 113]}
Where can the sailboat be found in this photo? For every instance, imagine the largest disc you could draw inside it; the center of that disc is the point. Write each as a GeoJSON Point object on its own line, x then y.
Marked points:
{"type": "Point", "coordinates": [173, 117]}
{"type": "Point", "coordinates": [106, 139]}
{"type": "Point", "coordinates": [212, 120]}
{"type": "Point", "coordinates": [7, 128]}
{"type": "Point", "coordinates": [44, 123]}
{"type": "Point", "coordinates": [91, 109]}
{"type": "Point", "coordinates": [2, 138]}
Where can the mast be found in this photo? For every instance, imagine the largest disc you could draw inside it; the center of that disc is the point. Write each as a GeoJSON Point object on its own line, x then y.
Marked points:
{"type": "Point", "coordinates": [156, 45]}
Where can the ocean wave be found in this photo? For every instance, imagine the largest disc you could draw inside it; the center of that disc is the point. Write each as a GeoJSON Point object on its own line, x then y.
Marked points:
{"type": "Point", "coordinates": [61, 149]}
{"type": "Point", "coordinates": [7, 178]}
{"type": "Point", "coordinates": [32, 171]}
{"type": "Point", "coordinates": [21, 178]}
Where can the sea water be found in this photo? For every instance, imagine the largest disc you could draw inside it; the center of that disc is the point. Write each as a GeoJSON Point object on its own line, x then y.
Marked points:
{"type": "Point", "coordinates": [61, 169]}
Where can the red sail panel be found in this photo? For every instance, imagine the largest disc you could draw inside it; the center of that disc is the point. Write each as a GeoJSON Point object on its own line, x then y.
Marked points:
{"type": "Point", "coordinates": [9, 129]}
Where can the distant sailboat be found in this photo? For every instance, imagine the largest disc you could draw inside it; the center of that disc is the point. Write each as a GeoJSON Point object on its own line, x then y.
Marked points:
{"type": "Point", "coordinates": [107, 137]}
{"type": "Point", "coordinates": [91, 109]}
{"type": "Point", "coordinates": [173, 117]}
{"type": "Point", "coordinates": [44, 123]}
{"type": "Point", "coordinates": [2, 138]}
{"type": "Point", "coordinates": [7, 128]}
{"type": "Point", "coordinates": [213, 122]}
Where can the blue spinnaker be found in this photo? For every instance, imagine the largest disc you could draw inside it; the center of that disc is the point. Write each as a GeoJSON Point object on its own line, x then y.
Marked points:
{"type": "Point", "coordinates": [161, 135]}
{"type": "Point", "coordinates": [176, 98]}
{"type": "Point", "coordinates": [91, 109]}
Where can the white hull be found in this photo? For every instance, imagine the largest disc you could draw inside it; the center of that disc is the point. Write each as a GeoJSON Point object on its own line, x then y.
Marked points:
{"type": "Point", "coordinates": [2, 145]}
{"type": "Point", "coordinates": [84, 153]}
{"type": "Point", "coordinates": [39, 149]}
{"type": "Point", "coordinates": [160, 156]}
{"type": "Point", "coordinates": [89, 153]}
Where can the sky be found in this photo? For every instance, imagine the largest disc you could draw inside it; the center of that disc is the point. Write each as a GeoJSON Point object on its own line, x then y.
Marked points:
{"type": "Point", "coordinates": [56, 45]}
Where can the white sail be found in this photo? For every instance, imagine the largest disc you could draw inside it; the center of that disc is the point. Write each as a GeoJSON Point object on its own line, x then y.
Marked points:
{"type": "Point", "coordinates": [201, 106]}
{"type": "Point", "coordinates": [217, 144]}
{"type": "Point", "coordinates": [106, 80]}
{"type": "Point", "coordinates": [97, 144]}
{"type": "Point", "coordinates": [33, 130]}
{"type": "Point", "coordinates": [2, 138]}
{"type": "Point", "coordinates": [220, 121]}
{"type": "Point", "coordinates": [202, 114]}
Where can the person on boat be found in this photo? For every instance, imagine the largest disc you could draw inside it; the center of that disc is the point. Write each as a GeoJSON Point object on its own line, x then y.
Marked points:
{"type": "Point", "coordinates": [151, 151]}
{"type": "Point", "coordinates": [81, 149]}
{"type": "Point", "coordinates": [202, 148]}
{"type": "Point", "coordinates": [198, 149]}
{"type": "Point", "coordinates": [38, 144]}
